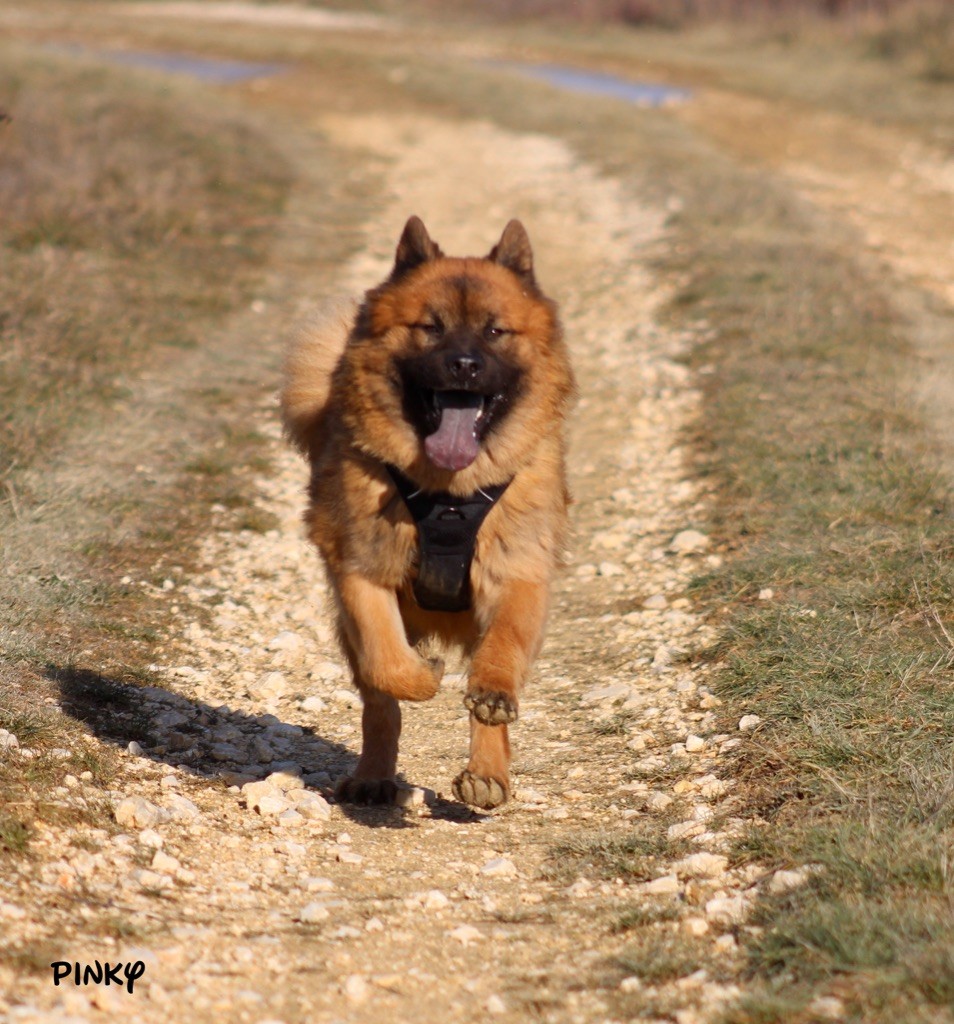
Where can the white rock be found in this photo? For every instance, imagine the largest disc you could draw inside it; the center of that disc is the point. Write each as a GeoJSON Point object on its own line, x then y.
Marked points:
{"type": "Point", "coordinates": [315, 884]}
{"type": "Point", "coordinates": [182, 809]}
{"type": "Point", "coordinates": [165, 863]}
{"type": "Point", "coordinates": [685, 829]}
{"type": "Point", "coordinates": [631, 984]}
{"type": "Point", "coordinates": [465, 934]}
{"type": "Point", "coordinates": [766, 594]}
{"type": "Point", "coordinates": [495, 1005]}
{"type": "Point", "coordinates": [664, 886]}
{"type": "Point", "coordinates": [608, 692]}
{"type": "Point", "coordinates": [658, 801]}
{"type": "Point", "coordinates": [272, 684]}
{"type": "Point", "coordinates": [828, 1007]}
{"type": "Point", "coordinates": [688, 542]}
{"type": "Point", "coordinates": [499, 867]}
{"type": "Point", "coordinates": [610, 569]}
{"type": "Point", "coordinates": [409, 798]}
{"type": "Point", "coordinates": [657, 602]}
{"type": "Point", "coordinates": [784, 881]}
{"type": "Point", "coordinates": [134, 748]}
{"type": "Point", "coordinates": [313, 704]}
{"type": "Point", "coordinates": [349, 857]}
{"type": "Point", "coordinates": [12, 912]}
{"type": "Point", "coordinates": [435, 900]}
{"type": "Point", "coordinates": [290, 817]}
{"type": "Point", "coordinates": [311, 805]}
{"type": "Point", "coordinates": [151, 880]}
{"type": "Point", "coordinates": [726, 910]}
{"type": "Point", "coordinates": [748, 722]}
{"type": "Point", "coordinates": [285, 781]}
{"type": "Point", "coordinates": [701, 865]}
{"type": "Point", "coordinates": [150, 839]}
{"type": "Point", "coordinates": [695, 926]}
{"type": "Point", "coordinates": [271, 804]}
{"type": "Point", "coordinates": [355, 988]}
{"type": "Point", "coordinates": [8, 741]}
{"type": "Point", "coordinates": [312, 913]}
{"type": "Point", "coordinates": [137, 812]}
{"type": "Point", "coordinates": [695, 744]}
{"type": "Point", "coordinates": [285, 641]}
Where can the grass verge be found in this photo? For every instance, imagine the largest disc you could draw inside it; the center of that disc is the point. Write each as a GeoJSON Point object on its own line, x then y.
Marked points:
{"type": "Point", "coordinates": [827, 496]}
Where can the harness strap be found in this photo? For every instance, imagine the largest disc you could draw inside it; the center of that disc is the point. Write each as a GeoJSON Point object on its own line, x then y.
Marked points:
{"type": "Point", "coordinates": [447, 528]}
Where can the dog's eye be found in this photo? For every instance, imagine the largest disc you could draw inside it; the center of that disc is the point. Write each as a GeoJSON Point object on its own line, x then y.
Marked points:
{"type": "Point", "coordinates": [432, 328]}
{"type": "Point", "coordinates": [492, 332]}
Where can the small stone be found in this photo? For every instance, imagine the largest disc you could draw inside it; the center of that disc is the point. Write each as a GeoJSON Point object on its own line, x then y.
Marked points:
{"type": "Point", "coordinates": [285, 641]}
{"type": "Point", "coordinates": [314, 884]}
{"type": "Point", "coordinates": [134, 748]}
{"type": "Point", "coordinates": [226, 752]}
{"type": "Point", "coordinates": [348, 857]}
{"type": "Point", "coordinates": [725, 944]}
{"type": "Point", "coordinates": [766, 594]}
{"type": "Point", "coordinates": [499, 867]}
{"type": "Point", "coordinates": [150, 839]}
{"type": "Point", "coordinates": [631, 984]}
{"type": "Point", "coordinates": [261, 751]}
{"type": "Point", "coordinates": [165, 863]}
{"type": "Point", "coordinates": [785, 881]}
{"type": "Point", "coordinates": [355, 988]}
{"type": "Point", "coordinates": [313, 704]}
{"type": "Point", "coordinates": [726, 910]}
{"type": "Point", "coordinates": [494, 1004]}
{"type": "Point", "coordinates": [658, 801]}
{"type": "Point", "coordinates": [609, 692]}
{"type": "Point", "coordinates": [137, 812]}
{"type": "Point", "coordinates": [12, 912]}
{"type": "Point", "coordinates": [656, 603]}
{"type": "Point", "coordinates": [695, 926]}
{"type": "Point", "coordinates": [290, 817]}
{"type": "Point", "coordinates": [286, 781]}
{"type": "Point", "coordinates": [695, 744]}
{"type": "Point", "coordinates": [610, 569]}
{"type": "Point", "coordinates": [465, 934]}
{"type": "Point", "coordinates": [435, 900]}
{"type": "Point", "coordinates": [688, 542]}
{"type": "Point", "coordinates": [701, 865]}
{"type": "Point", "coordinates": [312, 913]}
{"type": "Point", "coordinates": [271, 804]}
{"type": "Point", "coordinates": [664, 886]}
{"type": "Point", "coordinates": [182, 809]}
{"type": "Point", "coordinates": [151, 880]}
{"type": "Point", "coordinates": [748, 722]}
{"type": "Point", "coordinates": [685, 829]}
{"type": "Point", "coordinates": [270, 685]}
{"type": "Point", "coordinates": [410, 798]}
{"type": "Point", "coordinates": [311, 805]}
{"type": "Point", "coordinates": [828, 1007]}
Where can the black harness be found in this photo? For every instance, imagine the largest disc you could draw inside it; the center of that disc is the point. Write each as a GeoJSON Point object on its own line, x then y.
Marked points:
{"type": "Point", "coordinates": [447, 529]}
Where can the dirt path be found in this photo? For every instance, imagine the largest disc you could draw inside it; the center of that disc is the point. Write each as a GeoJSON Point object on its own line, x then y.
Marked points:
{"type": "Point", "coordinates": [270, 903]}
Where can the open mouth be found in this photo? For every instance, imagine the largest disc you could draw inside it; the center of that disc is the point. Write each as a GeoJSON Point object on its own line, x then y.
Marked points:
{"type": "Point", "coordinates": [456, 423]}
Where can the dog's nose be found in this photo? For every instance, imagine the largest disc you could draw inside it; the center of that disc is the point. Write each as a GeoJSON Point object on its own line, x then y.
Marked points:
{"type": "Point", "coordinates": [464, 366]}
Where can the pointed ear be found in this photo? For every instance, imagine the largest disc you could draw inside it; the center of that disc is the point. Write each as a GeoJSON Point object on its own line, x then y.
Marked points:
{"type": "Point", "coordinates": [415, 247]}
{"type": "Point", "coordinates": [513, 251]}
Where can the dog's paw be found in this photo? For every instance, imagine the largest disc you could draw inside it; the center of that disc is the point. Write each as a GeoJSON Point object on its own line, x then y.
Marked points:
{"type": "Point", "coordinates": [365, 791]}
{"type": "Point", "coordinates": [491, 706]}
{"type": "Point", "coordinates": [415, 680]}
{"type": "Point", "coordinates": [480, 792]}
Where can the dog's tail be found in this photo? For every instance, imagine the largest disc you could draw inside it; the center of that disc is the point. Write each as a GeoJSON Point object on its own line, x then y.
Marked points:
{"type": "Point", "coordinates": [309, 363]}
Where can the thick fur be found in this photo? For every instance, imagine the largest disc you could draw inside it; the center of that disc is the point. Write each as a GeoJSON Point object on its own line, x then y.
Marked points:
{"type": "Point", "coordinates": [348, 403]}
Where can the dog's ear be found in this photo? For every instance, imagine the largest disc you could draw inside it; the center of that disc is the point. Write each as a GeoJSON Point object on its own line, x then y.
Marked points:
{"type": "Point", "coordinates": [415, 247]}
{"type": "Point", "coordinates": [513, 251]}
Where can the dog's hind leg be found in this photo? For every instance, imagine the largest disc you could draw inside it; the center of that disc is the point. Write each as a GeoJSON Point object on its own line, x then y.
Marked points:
{"type": "Point", "coordinates": [373, 779]}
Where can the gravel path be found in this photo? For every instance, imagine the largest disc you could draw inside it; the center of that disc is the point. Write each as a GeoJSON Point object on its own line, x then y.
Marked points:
{"type": "Point", "coordinates": [250, 896]}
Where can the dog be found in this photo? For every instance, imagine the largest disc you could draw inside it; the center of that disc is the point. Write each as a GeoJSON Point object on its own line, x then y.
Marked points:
{"type": "Point", "coordinates": [433, 420]}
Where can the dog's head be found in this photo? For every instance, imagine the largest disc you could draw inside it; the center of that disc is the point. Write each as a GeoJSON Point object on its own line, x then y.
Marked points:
{"type": "Point", "coordinates": [457, 363]}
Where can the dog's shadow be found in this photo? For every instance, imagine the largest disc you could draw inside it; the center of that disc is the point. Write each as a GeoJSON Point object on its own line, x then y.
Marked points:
{"type": "Point", "coordinates": [218, 744]}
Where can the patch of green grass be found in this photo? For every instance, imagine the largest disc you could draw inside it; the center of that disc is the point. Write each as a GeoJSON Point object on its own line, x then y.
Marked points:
{"type": "Point", "coordinates": [827, 493]}
{"type": "Point", "coordinates": [658, 956]}
{"type": "Point", "coordinates": [631, 855]}
{"type": "Point", "coordinates": [647, 913]}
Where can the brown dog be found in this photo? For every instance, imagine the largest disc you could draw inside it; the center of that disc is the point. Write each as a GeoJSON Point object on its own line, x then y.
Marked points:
{"type": "Point", "coordinates": [434, 428]}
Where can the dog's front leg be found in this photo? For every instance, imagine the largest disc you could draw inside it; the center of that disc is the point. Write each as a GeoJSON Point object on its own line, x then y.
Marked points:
{"type": "Point", "coordinates": [383, 660]}
{"type": "Point", "coordinates": [500, 666]}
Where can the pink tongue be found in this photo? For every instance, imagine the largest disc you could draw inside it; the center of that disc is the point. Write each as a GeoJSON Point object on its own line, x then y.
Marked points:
{"type": "Point", "coordinates": [454, 444]}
